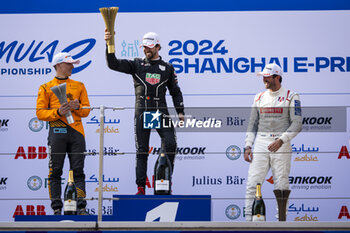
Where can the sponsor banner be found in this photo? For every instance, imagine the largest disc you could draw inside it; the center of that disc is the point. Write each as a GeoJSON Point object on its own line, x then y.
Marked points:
{"type": "Point", "coordinates": [162, 208]}
{"type": "Point", "coordinates": [215, 60]}
{"type": "Point", "coordinates": [309, 210]}
{"type": "Point", "coordinates": [205, 5]}
{"type": "Point", "coordinates": [12, 208]}
{"type": "Point", "coordinates": [236, 119]}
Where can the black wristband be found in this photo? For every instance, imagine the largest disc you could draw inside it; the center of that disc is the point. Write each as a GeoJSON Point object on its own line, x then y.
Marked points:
{"type": "Point", "coordinates": [58, 112]}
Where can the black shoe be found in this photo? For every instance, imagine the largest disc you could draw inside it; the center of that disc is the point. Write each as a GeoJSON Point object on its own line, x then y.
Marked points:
{"type": "Point", "coordinates": [57, 212]}
{"type": "Point", "coordinates": [83, 211]}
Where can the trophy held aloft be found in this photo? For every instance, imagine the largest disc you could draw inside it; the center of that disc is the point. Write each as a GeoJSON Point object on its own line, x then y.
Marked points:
{"type": "Point", "coordinates": [109, 14]}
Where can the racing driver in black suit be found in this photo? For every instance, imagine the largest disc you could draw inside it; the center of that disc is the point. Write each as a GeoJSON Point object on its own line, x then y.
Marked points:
{"type": "Point", "coordinates": [152, 76]}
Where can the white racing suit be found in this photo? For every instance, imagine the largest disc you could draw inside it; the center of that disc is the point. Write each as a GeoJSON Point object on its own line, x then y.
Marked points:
{"type": "Point", "coordinates": [274, 115]}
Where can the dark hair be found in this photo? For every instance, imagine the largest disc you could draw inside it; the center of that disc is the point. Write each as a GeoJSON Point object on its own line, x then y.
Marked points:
{"type": "Point", "coordinates": [275, 75]}
{"type": "Point", "coordinates": [160, 47]}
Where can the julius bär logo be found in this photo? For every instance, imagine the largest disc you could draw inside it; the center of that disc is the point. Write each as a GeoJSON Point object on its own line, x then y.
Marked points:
{"type": "Point", "coordinates": [34, 183]}
{"type": "Point", "coordinates": [232, 212]}
{"type": "Point", "coordinates": [106, 210]}
{"type": "Point", "coordinates": [233, 152]}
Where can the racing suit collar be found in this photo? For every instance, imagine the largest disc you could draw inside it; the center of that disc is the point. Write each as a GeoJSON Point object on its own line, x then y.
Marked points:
{"type": "Point", "coordinates": [274, 93]}
{"type": "Point", "coordinates": [59, 78]}
{"type": "Point", "coordinates": [153, 61]}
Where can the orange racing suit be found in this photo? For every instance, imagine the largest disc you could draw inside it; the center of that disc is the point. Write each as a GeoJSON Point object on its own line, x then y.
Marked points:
{"type": "Point", "coordinates": [64, 138]}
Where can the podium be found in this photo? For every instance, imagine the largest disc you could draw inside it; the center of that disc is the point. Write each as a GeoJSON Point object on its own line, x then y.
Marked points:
{"type": "Point", "coordinates": [163, 208]}
{"type": "Point", "coordinates": [147, 208]}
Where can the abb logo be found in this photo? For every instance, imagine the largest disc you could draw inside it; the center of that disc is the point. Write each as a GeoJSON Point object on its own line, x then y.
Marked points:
{"type": "Point", "coordinates": [344, 152]}
{"type": "Point", "coordinates": [344, 212]}
{"type": "Point", "coordinates": [30, 210]}
{"type": "Point", "coordinates": [32, 152]}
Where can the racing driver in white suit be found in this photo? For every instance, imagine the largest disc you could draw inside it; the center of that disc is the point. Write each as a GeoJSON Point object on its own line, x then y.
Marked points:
{"type": "Point", "coordinates": [274, 121]}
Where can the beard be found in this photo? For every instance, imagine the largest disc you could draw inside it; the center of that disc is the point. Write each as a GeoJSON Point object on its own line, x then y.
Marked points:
{"type": "Point", "coordinates": [150, 54]}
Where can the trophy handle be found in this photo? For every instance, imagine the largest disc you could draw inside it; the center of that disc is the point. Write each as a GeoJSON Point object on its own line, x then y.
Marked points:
{"type": "Point", "coordinates": [69, 118]}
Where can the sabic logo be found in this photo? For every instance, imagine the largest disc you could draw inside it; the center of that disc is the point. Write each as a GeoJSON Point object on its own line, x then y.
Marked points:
{"type": "Point", "coordinates": [109, 130]}
{"type": "Point", "coordinates": [344, 212]}
{"type": "Point", "coordinates": [4, 125]}
{"type": "Point", "coordinates": [30, 210]}
{"type": "Point", "coordinates": [107, 188]}
{"type": "Point", "coordinates": [306, 218]}
{"type": "Point", "coordinates": [232, 212]}
{"type": "Point", "coordinates": [344, 152]}
{"type": "Point", "coordinates": [32, 154]}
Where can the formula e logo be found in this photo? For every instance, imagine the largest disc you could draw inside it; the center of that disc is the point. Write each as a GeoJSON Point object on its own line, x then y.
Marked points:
{"type": "Point", "coordinates": [151, 120]}
{"type": "Point", "coordinates": [34, 183]}
{"type": "Point", "coordinates": [233, 212]}
{"type": "Point", "coordinates": [16, 52]}
{"type": "Point", "coordinates": [233, 152]}
{"type": "Point", "coordinates": [153, 78]}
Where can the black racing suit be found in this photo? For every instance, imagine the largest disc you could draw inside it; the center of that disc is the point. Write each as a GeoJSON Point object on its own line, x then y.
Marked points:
{"type": "Point", "coordinates": [64, 139]}
{"type": "Point", "coordinates": [151, 80]}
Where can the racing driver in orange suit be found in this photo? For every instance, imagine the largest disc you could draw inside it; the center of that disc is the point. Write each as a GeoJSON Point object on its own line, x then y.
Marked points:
{"type": "Point", "coordinates": [63, 137]}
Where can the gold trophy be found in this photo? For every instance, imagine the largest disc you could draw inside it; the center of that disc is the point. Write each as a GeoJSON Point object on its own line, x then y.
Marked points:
{"type": "Point", "coordinates": [109, 14]}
